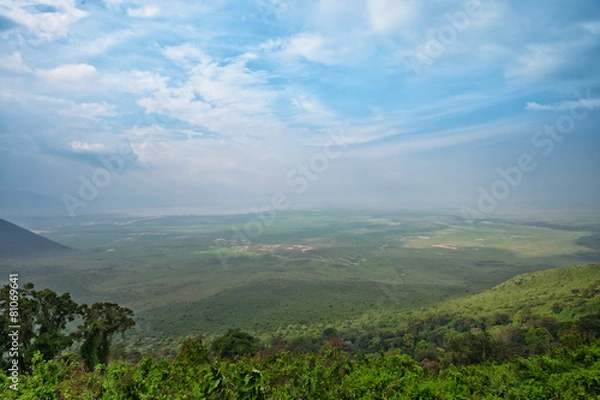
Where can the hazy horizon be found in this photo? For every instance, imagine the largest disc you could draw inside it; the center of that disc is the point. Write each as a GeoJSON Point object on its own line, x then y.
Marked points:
{"type": "Point", "coordinates": [476, 108]}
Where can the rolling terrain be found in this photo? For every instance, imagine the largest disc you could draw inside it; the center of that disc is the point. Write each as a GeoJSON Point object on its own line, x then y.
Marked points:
{"type": "Point", "coordinates": [184, 275]}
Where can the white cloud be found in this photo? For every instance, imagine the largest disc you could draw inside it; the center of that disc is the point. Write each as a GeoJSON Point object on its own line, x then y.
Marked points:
{"type": "Point", "coordinates": [45, 25]}
{"type": "Point", "coordinates": [144, 12]}
{"type": "Point", "coordinates": [308, 110]}
{"type": "Point", "coordinates": [14, 62]}
{"type": "Point", "coordinates": [83, 147]}
{"type": "Point", "coordinates": [185, 52]}
{"type": "Point", "coordinates": [538, 61]}
{"type": "Point", "coordinates": [101, 44]}
{"type": "Point", "coordinates": [217, 84]}
{"type": "Point", "coordinates": [60, 106]}
{"type": "Point", "coordinates": [567, 105]}
{"type": "Point", "coordinates": [67, 73]}
{"type": "Point", "coordinates": [140, 81]}
{"type": "Point", "coordinates": [440, 139]}
{"type": "Point", "coordinates": [222, 95]}
{"type": "Point", "coordinates": [307, 104]}
{"type": "Point", "coordinates": [90, 110]}
{"type": "Point", "coordinates": [232, 84]}
{"type": "Point", "coordinates": [386, 16]}
{"type": "Point", "coordinates": [310, 46]}
{"type": "Point", "coordinates": [275, 8]}
{"type": "Point", "coordinates": [592, 27]}
{"type": "Point", "coordinates": [112, 3]}
{"type": "Point", "coordinates": [25, 98]}
{"type": "Point", "coordinates": [271, 45]}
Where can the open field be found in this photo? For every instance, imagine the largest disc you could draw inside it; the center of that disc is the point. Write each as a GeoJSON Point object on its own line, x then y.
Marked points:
{"type": "Point", "coordinates": [190, 274]}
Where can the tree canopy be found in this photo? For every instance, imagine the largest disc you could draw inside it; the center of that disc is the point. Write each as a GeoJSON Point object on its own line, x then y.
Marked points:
{"type": "Point", "coordinates": [43, 317]}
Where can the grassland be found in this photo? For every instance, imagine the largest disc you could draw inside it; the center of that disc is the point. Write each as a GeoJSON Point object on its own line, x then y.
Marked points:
{"type": "Point", "coordinates": [188, 274]}
{"type": "Point", "coordinates": [563, 293]}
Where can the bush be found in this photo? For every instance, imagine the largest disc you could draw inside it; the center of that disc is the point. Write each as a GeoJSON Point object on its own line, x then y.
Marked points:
{"type": "Point", "coordinates": [235, 343]}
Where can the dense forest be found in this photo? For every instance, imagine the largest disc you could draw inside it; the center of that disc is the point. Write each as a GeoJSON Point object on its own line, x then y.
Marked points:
{"type": "Point", "coordinates": [535, 349]}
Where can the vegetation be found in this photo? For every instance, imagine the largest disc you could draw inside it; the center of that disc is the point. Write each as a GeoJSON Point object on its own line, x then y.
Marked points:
{"type": "Point", "coordinates": [305, 272]}
{"type": "Point", "coordinates": [456, 352]}
{"type": "Point", "coordinates": [101, 322]}
{"type": "Point", "coordinates": [42, 325]}
{"type": "Point", "coordinates": [328, 306]}
{"type": "Point", "coordinates": [567, 372]}
{"type": "Point", "coordinates": [235, 343]}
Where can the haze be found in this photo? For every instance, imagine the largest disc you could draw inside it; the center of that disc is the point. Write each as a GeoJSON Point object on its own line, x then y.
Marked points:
{"type": "Point", "coordinates": [217, 106]}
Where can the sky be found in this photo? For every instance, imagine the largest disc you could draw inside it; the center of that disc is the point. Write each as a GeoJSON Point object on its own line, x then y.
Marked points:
{"type": "Point", "coordinates": [476, 107]}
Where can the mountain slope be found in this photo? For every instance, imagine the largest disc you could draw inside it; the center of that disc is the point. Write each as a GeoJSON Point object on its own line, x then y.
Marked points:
{"type": "Point", "coordinates": [20, 242]}
{"type": "Point", "coordinates": [561, 292]}
{"type": "Point", "coordinates": [565, 294]}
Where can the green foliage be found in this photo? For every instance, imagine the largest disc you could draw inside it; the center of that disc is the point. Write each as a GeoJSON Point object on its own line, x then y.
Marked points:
{"type": "Point", "coordinates": [539, 339]}
{"type": "Point", "coordinates": [382, 377]}
{"type": "Point", "coordinates": [193, 352]}
{"type": "Point", "coordinates": [563, 293]}
{"type": "Point", "coordinates": [308, 271]}
{"type": "Point", "coordinates": [45, 376]}
{"type": "Point", "coordinates": [101, 322]}
{"type": "Point", "coordinates": [330, 374]}
{"type": "Point", "coordinates": [235, 343]}
{"type": "Point", "coordinates": [465, 350]}
{"type": "Point", "coordinates": [42, 317]}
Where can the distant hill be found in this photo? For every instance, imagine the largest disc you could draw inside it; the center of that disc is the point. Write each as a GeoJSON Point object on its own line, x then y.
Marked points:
{"type": "Point", "coordinates": [565, 294]}
{"type": "Point", "coordinates": [571, 292]}
{"type": "Point", "coordinates": [20, 242]}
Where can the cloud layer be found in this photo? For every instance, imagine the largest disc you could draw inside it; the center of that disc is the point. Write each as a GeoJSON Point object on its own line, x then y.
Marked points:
{"type": "Point", "coordinates": [214, 104]}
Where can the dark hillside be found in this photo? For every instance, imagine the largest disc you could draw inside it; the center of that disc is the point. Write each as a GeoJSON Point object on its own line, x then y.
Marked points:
{"type": "Point", "coordinates": [19, 242]}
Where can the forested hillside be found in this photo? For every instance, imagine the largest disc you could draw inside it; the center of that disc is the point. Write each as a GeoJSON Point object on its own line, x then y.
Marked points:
{"type": "Point", "coordinates": [532, 337]}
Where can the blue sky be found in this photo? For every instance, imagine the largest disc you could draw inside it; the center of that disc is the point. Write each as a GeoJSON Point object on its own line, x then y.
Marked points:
{"type": "Point", "coordinates": [111, 106]}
